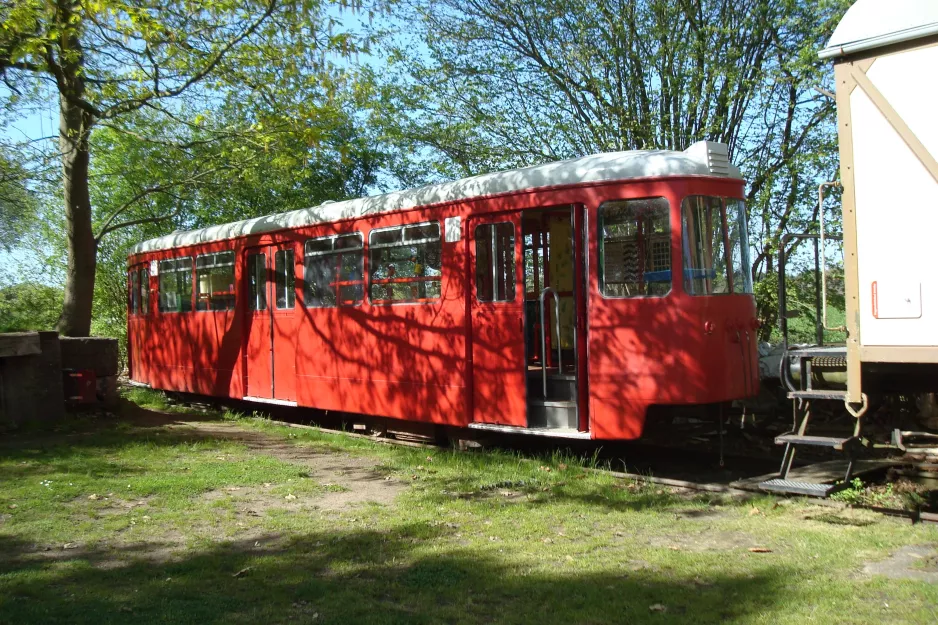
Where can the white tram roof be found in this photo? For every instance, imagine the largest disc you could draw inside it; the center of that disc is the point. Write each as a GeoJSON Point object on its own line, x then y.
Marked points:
{"type": "Point", "coordinates": [871, 24]}
{"type": "Point", "coordinates": [704, 158]}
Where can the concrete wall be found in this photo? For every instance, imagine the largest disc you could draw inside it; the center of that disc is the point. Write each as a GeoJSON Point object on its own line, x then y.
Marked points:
{"type": "Point", "coordinates": [30, 378]}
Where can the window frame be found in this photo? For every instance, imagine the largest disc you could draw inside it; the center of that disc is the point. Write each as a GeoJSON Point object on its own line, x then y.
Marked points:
{"type": "Point", "coordinates": [730, 277]}
{"type": "Point", "coordinates": [176, 260]}
{"type": "Point", "coordinates": [289, 275]}
{"type": "Point", "coordinates": [600, 241]}
{"type": "Point", "coordinates": [333, 252]}
{"type": "Point", "coordinates": [144, 293]}
{"type": "Point", "coordinates": [494, 263]}
{"type": "Point", "coordinates": [210, 296]}
{"type": "Point", "coordinates": [133, 278]}
{"type": "Point", "coordinates": [249, 273]}
{"type": "Point", "coordinates": [403, 242]}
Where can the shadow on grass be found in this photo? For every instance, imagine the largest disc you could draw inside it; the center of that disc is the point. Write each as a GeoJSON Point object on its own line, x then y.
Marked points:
{"type": "Point", "coordinates": [359, 577]}
{"type": "Point", "coordinates": [83, 443]}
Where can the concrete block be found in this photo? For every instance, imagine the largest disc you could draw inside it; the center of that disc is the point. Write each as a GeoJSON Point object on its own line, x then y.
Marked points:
{"type": "Point", "coordinates": [95, 353]}
{"type": "Point", "coordinates": [31, 385]}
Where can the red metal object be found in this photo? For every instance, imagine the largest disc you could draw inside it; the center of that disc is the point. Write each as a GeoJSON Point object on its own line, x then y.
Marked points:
{"type": "Point", "coordinates": [453, 360]}
{"type": "Point", "coordinates": [80, 386]}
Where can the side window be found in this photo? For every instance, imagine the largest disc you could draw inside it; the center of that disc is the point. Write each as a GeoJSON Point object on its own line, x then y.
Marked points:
{"type": "Point", "coordinates": [144, 300]}
{"type": "Point", "coordinates": [215, 281]}
{"type": "Point", "coordinates": [635, 248]}
{"type": "Point", "coordinates": [284, 277]}
{"type": "Point", "coordinates": [334, 271]}
{"type": "Point", "coordinates": [405, 263]}
{"type": "Point", "coordinates": [257, 281]}
{"type": "Point", "coordinates": [704, 246]}
{"type": "Point", "coordinates": [495, 262]}
{"type": "Point", "coordinates": [738, 235]}
{"type": "Point", "coordinates": [175, 285]}
{"type": "Point", "coordinates": [134, 303]}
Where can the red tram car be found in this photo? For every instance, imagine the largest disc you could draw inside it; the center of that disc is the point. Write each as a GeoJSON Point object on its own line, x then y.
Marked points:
{"type": "Point", "coordinates": [562, 299]}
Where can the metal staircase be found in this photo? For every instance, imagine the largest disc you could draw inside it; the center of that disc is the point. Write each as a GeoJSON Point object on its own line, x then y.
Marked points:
{"type": "Point", "coordinates": [811, 374]}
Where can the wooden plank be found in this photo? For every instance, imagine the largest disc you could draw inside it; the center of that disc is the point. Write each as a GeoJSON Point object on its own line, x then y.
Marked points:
{"type": "Point", "coordinates": [19, 344]}
{"type": "Point", "coordinates": [895, 120]}
{"type": "Point", "coordinates": [822, 472]}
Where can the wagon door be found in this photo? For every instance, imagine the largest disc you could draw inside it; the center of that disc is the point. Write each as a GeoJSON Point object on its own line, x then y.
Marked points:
{"type": "Point", "coordinates": [270, 322]}
{"type": "Point", "coordinates": [497, 318]}
{"type": "Point", "coordinates": [258, 337]}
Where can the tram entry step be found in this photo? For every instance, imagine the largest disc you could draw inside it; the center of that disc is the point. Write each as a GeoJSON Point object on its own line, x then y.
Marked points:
{"type": "Point", "coordinates": [552, 414]}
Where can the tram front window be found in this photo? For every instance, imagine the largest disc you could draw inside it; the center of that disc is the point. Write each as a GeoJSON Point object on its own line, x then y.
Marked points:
{"type": "Point", "coordinates": [715, 246]}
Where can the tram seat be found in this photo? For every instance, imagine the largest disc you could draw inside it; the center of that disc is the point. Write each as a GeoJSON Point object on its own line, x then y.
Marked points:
{"type": "Point", "coordinates": [658, 276]}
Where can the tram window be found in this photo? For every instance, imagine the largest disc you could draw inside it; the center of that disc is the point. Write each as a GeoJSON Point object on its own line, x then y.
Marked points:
{"type": "Point", "coordinates": [142, 291]}
{"type": "Point", "coordinates": [257, 281]}
{"type": "Point", "coordinates": [739, 245]}
{"type": "Point", "coordinates": [334, 271]}
{"type": "Point", "coordinates": [704, 248]}
{"type": "Point", "coordinates": [215, 281]}
{"type": "Point", "coordinates": [405, 263]}
{"type": "Point", "coordinates": [495, 262]}
{"type": "Point", "coordinates": [175, 285]}
{"type": "Point", "coordinates": [284, 279]}
{"type": "Point", "coordinates": [635, 248]}
{"type": "Point", "coordinates": [134, 292]}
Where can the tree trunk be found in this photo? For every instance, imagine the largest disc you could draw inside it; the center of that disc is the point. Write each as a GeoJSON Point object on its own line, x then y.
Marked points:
{"type": "Point", "coordinates": [75, 121]}
{"type": "Point", "coordinates": [74, 128]}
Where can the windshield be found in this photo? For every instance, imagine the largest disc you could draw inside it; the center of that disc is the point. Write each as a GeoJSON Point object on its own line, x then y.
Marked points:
{"type": "Point", "coordinates": [715, 246]}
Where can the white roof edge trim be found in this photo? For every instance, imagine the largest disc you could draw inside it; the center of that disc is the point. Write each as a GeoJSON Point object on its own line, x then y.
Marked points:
{"type": "Point", "coordinates": [704, 158]}
{"type": "Point", "coordinates": [881, 41]}
{"type": "Point", "coordinates": [871, 24]}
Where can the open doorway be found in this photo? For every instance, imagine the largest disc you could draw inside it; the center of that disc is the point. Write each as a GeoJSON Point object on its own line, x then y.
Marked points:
{"type": "Point", "coordinates": [554, 317]}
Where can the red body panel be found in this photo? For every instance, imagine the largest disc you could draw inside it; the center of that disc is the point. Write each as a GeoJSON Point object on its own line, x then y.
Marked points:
{"type": "Point", "coordinates": [454, 360]}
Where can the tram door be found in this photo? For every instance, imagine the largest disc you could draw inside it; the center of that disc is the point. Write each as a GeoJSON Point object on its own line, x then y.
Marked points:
{"type": "Point", "coordinates": [270, 322]}
{"type": "Point", "coordinates": [497, 318]}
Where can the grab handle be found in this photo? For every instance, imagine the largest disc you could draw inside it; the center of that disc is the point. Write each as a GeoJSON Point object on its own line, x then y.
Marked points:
{"type": "Point", "coordinates": [544, 335]}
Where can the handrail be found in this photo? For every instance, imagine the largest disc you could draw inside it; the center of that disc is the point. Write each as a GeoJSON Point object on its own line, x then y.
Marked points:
{"type": "Point", "coordinates": [782, 298]}
{"type": "Point", "coordinates": [820, 208]}
{"type": "Point", "coordinates": [544, 335]}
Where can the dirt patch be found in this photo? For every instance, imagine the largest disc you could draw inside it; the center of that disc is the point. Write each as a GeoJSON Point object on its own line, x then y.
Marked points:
{"type": "Point", "coordinates": [918, 562]}
{"type": "Point", "coordinates": [703, 514]}
{"type": "Point", "coordinates": [110, 504]}
{"type": "Point", "coordinates": [349, 480]}
{"type": "Point", "coordinates": [705, 541]}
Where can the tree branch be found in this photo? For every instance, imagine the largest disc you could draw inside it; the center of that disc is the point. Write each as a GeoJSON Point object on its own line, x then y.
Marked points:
{"type": "Point", "coordinates": [107, 226]}
{"type": "Point", "coordinates": [135, 103]}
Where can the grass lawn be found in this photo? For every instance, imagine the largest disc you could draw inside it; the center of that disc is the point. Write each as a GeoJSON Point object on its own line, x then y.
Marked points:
{"type": "Point", "coordinates": [166, 516]}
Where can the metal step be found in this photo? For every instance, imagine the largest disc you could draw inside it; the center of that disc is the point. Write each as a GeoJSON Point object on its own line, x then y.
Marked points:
{"type": "Point", "coordinates": [818, 352]}
{"type": "Point", "coordinates": [548, 413]}
{"type": "Point", "coordinates": [268, 400]}
{"type": "Point", "coordinates": [818, 394]}
{"type": "Point", "coordinates": [550, 432]}
{"type": "Point", "coordinates": [833, 442]}
{"type": "Point", "coordinates": [791, 487]}
{"type": "Point", "coordinates": [559, 386]}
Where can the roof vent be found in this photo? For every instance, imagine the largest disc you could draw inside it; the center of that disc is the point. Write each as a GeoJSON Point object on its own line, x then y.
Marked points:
{"type": "Point", "coordinates": [714, 155]}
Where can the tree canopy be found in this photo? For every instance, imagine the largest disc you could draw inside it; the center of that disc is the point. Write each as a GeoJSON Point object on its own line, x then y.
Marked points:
{"type": "Point", "coordinates": [105, 62]}
{"type": "Point", "coordinates": [179, 114]}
